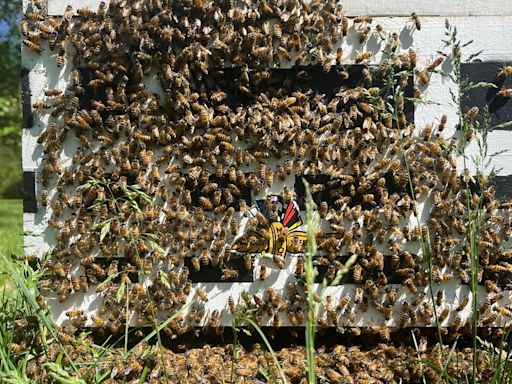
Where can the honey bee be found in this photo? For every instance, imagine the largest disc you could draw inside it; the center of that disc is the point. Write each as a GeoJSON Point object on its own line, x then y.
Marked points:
{"type": "Point", "coordinates": [102, 8]}
{"type": "Point", "coordinates": [57, 208]}
{"type": "Point", "coordinates": [205, 203]}
{"type": "Point", "coordinates": [279, 261]}
{"type": "Point", "coordinates": [344, 26]}
{"type": "Point", "coordinates": [201, 294]}
{"type": "Point", "coordinates": [41, 302]}
{"type": "Point", "coordinates": [442, 123]}
{"type": "Point", "coordinates": [409, 283]}
{"type": "Point", "coordinates": [505, 71]}
{"type": "Point", "coordinates": [135, 366]}
{"type": "Point", "coordinates": [491, 286]}
{"type": "Point", "coordinates": [34, 16]}
{"type": "Point", "coordinates": [97, 270]}
{"type": "Point", "coordinates": [358, 296]}
{"type": "Point", "coordinates": [85, 12]}
{"type": "Point", "coordinates": [381, 31]}
{"type": "Point", "coordinates": [440, 297]}
{"type": "Point", "coordinates": [463, 303]}
{"type": "Point", "coordinates": [218, 96]}
{"type": "Point", "coordinates": [384, 333]}
{"type": "Point", "coordinates": [232, 305]}
{"type": "Point", "coordinates": [351, 316]}
{"type": "Point", "coordinates": [61, 58]}
{"type": "Point", "coordinates": [363, 19]}
{"type": "Point", "coordinates": [343, 302]}
{"type": "Point", "coordinates": [405, 317]}
{"type": "Point", "coordinates": [98, 321]}
{"type": "Point", "coordinates": [53, 92]}
{"type": "Point", "coordinates": [357, 273]}
{"type": "Point", "coordinates": [504, 92]}
{"type": "Point", "coordinates": [24, 29]}
{"type": "Point", "coordinates": [269, 177]}
{"type": "Point", "coordinates": [422, 76]}
{"type": "Point", "coordinates": [363, 57]}
{"type": "Point", "coordinates": [41, 105]}
{"type": "Point", "coordinates": [75, 283]}
{"type": "Point", "coordinates": [444, 314]}
{"type": "Point", "coordinates": [44, 197]}
{"type": "Point", "coordinates": [84, 285]}
{"type": "Point", "coordinates": [416, 20]}
{"type": "Point", "coordinates": [47, 29]}
{"type": "Point", "coordinates": [435, 63]}
{"type": "Point", "coordinates": [339, 56]}
{"type": "Point", "coordinates": [391, 295]}
{"type": "Point", "coordinates": [490, 319]}
{"type": "Point", "coordinates": [505, 312]}
{"type": "Point", "coordinates": [247, 261]}
{"type": "Point", "coordinates": [394, 44]}
{"type": "Point", "coordinates": [228, 274]}
{"type": "Point", "coordinates": [299, 268]}
{"type": "Point", "coordinates": [262, 273]}
{"type": "Point", "coordinates": [262, 220]}
{"type": "Point", "coordinates": [364, 34]}
{"type": "Point", "coordinates": [74, 313]}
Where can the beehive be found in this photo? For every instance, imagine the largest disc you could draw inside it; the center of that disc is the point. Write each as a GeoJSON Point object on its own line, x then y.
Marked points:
{"type": "Point", "coordinates": [185, 111]}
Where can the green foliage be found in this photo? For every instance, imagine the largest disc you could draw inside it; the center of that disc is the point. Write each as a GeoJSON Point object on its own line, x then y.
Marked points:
{"type": "Point", "coordinates": [10, 121]}
{"type": "Point", "coordinates": [10, 172]}
{"type": "Point", "coordinates": [242, 318]}
{"type": "Point", "coordinates": [11, 371]}
{"type": "Point", "coordinates": [60, 375]}
{"type": "Point", "coordinates": [135, 197]}
{"type": "Point", "coordinates": [475, 215]}
{"type": "Point", "coordinates": [313, 222]}
{"type": "Point", "coordinates": [10, 105]}
{"type": "Point", "coordinates": [11, 231]}
{"type": "Point", "coordinates": [10, 56]}
{"type": "Point", "coordinates": [10, 145]}
{"type": "Point", "coordinates": [20, 306]}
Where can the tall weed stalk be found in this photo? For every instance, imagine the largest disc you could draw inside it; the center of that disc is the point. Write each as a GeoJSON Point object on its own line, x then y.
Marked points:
{"type": "Point", "coordinates": [241, 319]}
{"type": "Point", "coordinates": [471, 129]}
{"type": "Point", "coordinates": [313, 306]}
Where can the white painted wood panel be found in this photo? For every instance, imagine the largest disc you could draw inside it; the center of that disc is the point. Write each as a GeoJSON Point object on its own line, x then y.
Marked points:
{"type": "Point", "coordinates": [370, 7]}
{"type": "Point", "coordinates": [486, 31]}
{"type": "Point", "coordinates": [428, 8]}
{"type": "Point", "coordinates": [218, 294]}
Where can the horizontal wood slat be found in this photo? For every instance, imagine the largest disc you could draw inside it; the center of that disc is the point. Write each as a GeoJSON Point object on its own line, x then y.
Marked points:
{"type": "Point", "coordinates": [370, 7]}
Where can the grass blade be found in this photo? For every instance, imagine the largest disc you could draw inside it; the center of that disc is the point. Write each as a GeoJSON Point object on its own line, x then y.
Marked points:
{"type": "Point", "coordinates": [269, 347]}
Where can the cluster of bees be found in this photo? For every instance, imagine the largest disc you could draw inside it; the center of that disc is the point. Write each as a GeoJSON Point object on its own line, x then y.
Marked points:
{"type": "Point", "coordinates": [339, 364]}
{"type": "Point", "coordinates": [502, 74]}
{"type": "Point", "coordinates": [155, 189]}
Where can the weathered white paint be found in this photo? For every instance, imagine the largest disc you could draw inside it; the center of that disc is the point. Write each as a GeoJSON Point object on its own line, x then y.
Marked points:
{"type": "Point", "coordinates": [218, 294]}
{"type": "Point", "coordinates": [369, 7]}
{"type": "Point", "coordinates": [428, 8]}
{"type": "Point", "coordinates": [486, 33]}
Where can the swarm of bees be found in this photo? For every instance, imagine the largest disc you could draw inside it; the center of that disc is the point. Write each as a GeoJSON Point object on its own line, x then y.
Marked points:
{"type": "Point", "coordinates": [339, 364]}
{"type": "Point", "coordinates": [159, 183]}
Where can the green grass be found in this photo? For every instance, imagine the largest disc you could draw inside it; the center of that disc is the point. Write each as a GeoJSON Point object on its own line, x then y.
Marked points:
{"type": "Point", "coordinates": [11, 231]}
{"type": "Point", "coordinates": [11, 227]}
